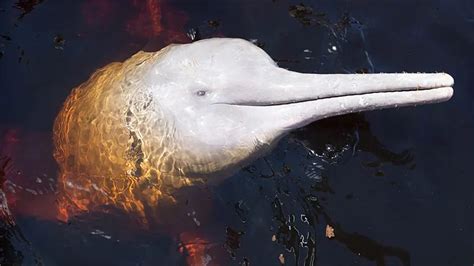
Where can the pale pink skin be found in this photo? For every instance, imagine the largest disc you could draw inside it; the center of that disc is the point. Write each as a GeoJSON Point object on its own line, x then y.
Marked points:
{"type": "Point", "coordinates": [229, 95]}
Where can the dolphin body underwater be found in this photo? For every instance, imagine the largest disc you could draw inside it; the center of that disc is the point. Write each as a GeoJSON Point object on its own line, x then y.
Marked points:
{"type": "Point", "coordinates": [189, 114]}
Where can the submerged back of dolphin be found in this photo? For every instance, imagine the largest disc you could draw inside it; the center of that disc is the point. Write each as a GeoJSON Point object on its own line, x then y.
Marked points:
{"type": "Point", "coordinates": [136, 131]}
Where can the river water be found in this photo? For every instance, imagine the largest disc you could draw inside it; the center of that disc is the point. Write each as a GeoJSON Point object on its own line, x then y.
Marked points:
{"type": "Point", "coordinates": [394, 185]}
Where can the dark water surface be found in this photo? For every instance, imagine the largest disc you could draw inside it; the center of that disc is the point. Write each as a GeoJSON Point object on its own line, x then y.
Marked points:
{"type": "Point", "coordinates": [394, 184]}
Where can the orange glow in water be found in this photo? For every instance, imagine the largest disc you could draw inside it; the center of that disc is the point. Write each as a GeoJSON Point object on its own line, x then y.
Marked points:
{"type": "Point", "coordinates": [101, 165]}
{"type": "Point", "coordinates": [195, 249]}
{"type": "Point", "coordinates": [155, 15]}
{"type": "Point", "coordinates": [111, 170]}
{"type": "Point", "coordinates": [144, 19]}
{"type": "Point", "coordinates": [113, 145]}
{"type": "Point", "coordinates": [29, 181]}
{"type": "Point", "coordinates": [107, 165]}
{"type": "Point", "coordinates": [147, 22]}
{"type": "Point", "coordinates": [114, 180]}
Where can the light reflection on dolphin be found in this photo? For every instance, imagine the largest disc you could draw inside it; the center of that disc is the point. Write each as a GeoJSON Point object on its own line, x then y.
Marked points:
{"type": "Point", "coordinates": [190, 113]}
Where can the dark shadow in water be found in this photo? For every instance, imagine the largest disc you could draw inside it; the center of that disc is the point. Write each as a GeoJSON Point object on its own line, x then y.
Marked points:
{"type": "Point", "coordinates": [26, 6]}
{"type": "Point", "coordinates": [364, 246]}
{"type": "Point", "coordinates": [289, 236]}
{"type": "Point", "coordinates": [369, 248]}
{"type": "Point", "coordinates": [351, 129]}
{"type": "Point", "coordinates": [8, 254]}
{"type": "Point", "coordinates": [232, 241]}
{"type": "Point", "coordinates": [295, 203]}
{"type": "Point", "coordinates": [307, 16]}
{"type": "Point", "coordinates": [12, 240]}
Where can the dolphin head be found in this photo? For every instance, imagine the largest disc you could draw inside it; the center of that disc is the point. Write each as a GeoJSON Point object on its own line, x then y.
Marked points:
{"type": "Point", "coordinates": [201, 110]}
{"type": "Point", "coordinates": [230, 101]}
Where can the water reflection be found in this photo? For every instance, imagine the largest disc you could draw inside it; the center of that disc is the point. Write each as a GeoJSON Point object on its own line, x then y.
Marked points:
{"type": "Point", "coordinates": [279, 199]}
{"type": "Point", "coordinates": [295, 204]}
{"type": "Point", "coordinates": [14, 247]}
{"type": "Point", "coordinates": [8, 254]}
{"type": "Point", "coordinates": [330, 137]}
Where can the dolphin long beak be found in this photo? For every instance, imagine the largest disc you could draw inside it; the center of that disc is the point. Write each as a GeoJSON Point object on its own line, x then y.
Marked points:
{"type": "Point", "coordinates": [298, 99]}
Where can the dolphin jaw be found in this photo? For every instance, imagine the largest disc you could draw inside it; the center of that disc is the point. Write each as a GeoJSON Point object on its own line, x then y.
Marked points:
{"type": "Point", "coordinates": [317, 87]}
{"type": "Point", "coordinates": [281, 116]}
{"type": "Point", "coordinates": [445, 85]}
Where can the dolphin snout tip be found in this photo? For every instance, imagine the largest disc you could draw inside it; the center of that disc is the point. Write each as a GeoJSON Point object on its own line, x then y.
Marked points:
{"type": "Point", "coordinates": [448, 82]}
{"type": "Point", "coordinates": [449, 93]}
{"type": "Point", "coordinates": [446, 79]}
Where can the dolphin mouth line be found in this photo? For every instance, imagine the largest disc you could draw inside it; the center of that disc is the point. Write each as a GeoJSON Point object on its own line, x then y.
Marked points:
{"type": "Point", "coordinates": [290, 102]}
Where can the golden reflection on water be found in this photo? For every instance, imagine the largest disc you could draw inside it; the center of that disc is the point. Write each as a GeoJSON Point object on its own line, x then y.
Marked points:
{"type": "Point", "coordinates": [113, 145]}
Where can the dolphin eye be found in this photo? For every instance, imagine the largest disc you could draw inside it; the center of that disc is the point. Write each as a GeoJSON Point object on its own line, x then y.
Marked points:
{"type": "Point", "coordinates": [201, 93]}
